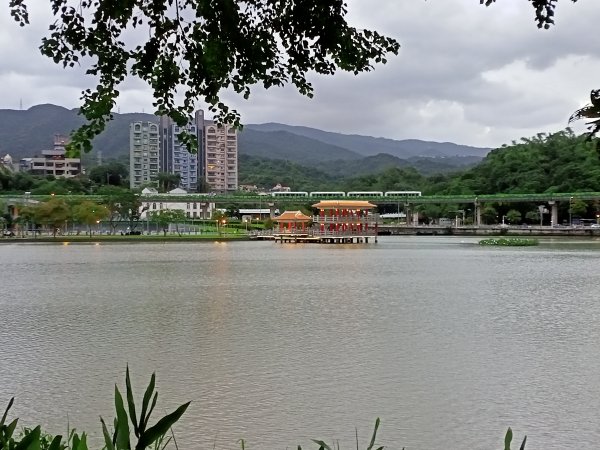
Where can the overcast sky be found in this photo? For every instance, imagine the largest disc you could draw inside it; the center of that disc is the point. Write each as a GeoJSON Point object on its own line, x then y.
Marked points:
{"type": "Point", "coordinates": [465, 73]}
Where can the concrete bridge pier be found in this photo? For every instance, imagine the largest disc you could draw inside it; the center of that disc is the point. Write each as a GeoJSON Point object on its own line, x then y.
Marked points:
{"type": "Point", "coordinates": [554, 212]}
{"type": "Point", "coordinates": [477, 209]}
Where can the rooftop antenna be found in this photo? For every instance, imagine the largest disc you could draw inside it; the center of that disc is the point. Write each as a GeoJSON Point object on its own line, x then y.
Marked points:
{"type": "Point", "coordinates": [21, 104]}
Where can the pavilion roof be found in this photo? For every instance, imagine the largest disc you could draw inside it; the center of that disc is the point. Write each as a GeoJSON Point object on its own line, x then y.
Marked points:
{"type": "Point", "coordinates": [292, 216]}
{"type": "Point", "coordinates": [344, 204]}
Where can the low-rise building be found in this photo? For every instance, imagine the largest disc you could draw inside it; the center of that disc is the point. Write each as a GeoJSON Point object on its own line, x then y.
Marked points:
{"type": "Point", "coordinates": [199, 209]}
{"type": "Point", "coordinates": [53, 162]}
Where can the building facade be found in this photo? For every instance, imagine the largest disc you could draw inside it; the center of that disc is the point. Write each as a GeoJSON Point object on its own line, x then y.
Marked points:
{"type": "Point", "coordinates": [200, 209]}
{"type": "Point", "coordinates": [53, 162]}
{"type": "Point", "coordinates": [214, 167]}
{"type": "Point", "coordinates": [175, 157]}
{"type": "Point", "coordinates": [143, 153]}
{"type": "Point", "coordinates": [220, 157]}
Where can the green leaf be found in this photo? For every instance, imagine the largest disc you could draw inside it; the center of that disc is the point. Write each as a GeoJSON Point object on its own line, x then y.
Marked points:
{"type": "Point", "coordinates": [10, 429]}
{"type": "Point", "coordinates": [107, 440]}
{"type": "Point", "coordinates": [131, 403]}
{"type": "Point", "coordinates": [372, 443]}
{"type": "Point", "coordinates": [147, 396]}
{"type": "Point", "coordinates": [10, 403]}
{"type": "Point", "coordinates": [55, 444]}
{"type": "Point", "coordinates": [523, 444]}
{"type": "Point", "coordinates": [508, 439]}
{"type": "Point", "coordinates": [75, 441]}
{"type": "Point", "coordinates": [147, 419]}
{"type": "Point", "coordinates": [161, 427]}
{"type": "Point", "coordinates": [81, 444]}
{"type": "Point", "coordinates": [31, 441]}
{"type": "Point", "coordinates": [122, 428]}
{"type": "Point", "coordinates": [322, 445]}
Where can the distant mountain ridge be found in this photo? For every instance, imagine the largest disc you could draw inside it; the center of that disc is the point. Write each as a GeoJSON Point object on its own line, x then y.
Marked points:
{"type": "Point", "coordinates": [26, 133]}
{"type": "Point", "coordinates": [369, 146]}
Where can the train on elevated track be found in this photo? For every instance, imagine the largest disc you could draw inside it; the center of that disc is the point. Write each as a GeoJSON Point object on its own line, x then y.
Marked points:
{"type": "Point", "coordinates": [351, 194]}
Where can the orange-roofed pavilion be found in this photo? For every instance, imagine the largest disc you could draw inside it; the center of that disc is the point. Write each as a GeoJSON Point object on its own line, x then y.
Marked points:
{"type": "Point", "coordinates": [295, 220]}
{"type": "Point", "coordinates": [351, 217]}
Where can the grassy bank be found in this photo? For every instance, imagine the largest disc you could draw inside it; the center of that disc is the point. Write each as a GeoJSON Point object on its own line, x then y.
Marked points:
{"type": "Point", "coordinates": [118, 238]}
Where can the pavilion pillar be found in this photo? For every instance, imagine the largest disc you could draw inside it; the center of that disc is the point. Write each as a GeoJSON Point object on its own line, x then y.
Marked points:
{"type": "Point", "coordinates": [477, 213]}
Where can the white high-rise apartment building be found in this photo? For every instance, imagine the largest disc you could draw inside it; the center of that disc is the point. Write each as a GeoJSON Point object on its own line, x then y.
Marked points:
{"type": "Point", "coordinates": [220, 157]}
{"type": "Point", "coordinates": [143, 153]}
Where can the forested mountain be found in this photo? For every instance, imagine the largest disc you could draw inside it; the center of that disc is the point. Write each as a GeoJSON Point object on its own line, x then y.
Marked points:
{"type": "Point", "coordinates": [558, 162]}
{"type": "Point", "coordinates": [267, 173]}
{"type": "Point", "coordinates": [27, 132]}
{"type": "Point", "coordinates": [383, 161]}
{"type": "Point", "coordinates": [368, 145]}
{"type": "Point", "coordinates": [291, 147]}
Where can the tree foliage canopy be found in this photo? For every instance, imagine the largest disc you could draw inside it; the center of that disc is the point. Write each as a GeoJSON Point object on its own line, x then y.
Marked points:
{"type": "Point", "coordinates": [197, 48]}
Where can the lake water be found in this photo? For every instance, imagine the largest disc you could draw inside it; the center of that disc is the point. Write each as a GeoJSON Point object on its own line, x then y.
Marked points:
{"type": "Point", "coordinates": [449, 343]}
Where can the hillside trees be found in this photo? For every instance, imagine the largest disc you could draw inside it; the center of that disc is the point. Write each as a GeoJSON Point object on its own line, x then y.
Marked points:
{"type": "Point", "coordinates": [557, 162]}
{"type": "Point", "coordinates": [112, 173]}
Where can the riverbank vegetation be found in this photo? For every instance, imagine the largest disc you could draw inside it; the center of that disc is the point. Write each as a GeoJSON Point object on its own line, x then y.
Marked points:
{"type": "Point", "coordinates": [131, 429]}
{"type": "Point", "coordinates": [116, 437]}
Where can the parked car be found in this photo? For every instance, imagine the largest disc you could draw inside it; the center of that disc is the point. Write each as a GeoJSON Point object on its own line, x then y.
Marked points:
{"type": "Point", "coordinates": [595, 225]}
{"type": "Point", "coordinates": [8, 233]}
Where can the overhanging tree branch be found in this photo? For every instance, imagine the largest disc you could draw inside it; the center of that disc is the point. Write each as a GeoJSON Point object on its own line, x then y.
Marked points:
{"type": "Point", "coordinates": [198, 48]}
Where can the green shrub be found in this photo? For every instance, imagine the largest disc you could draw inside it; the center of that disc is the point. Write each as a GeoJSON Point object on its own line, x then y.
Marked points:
{"type": "Point", "coordinates": [509, 242]}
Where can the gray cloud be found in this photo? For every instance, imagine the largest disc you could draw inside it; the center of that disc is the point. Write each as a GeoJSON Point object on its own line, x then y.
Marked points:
{"type": "Point", "coordinates": [465, 73]}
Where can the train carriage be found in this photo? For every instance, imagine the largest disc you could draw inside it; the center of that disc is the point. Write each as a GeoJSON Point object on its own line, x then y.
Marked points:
{"type": "Point", "coordinates": [403, 194]}
{"type": "Point", "coordinates": [365, 194]}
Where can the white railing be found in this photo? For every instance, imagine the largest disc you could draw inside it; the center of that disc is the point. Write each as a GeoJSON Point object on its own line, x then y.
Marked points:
{"type": "Point", "coordinates": [370, 219]}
